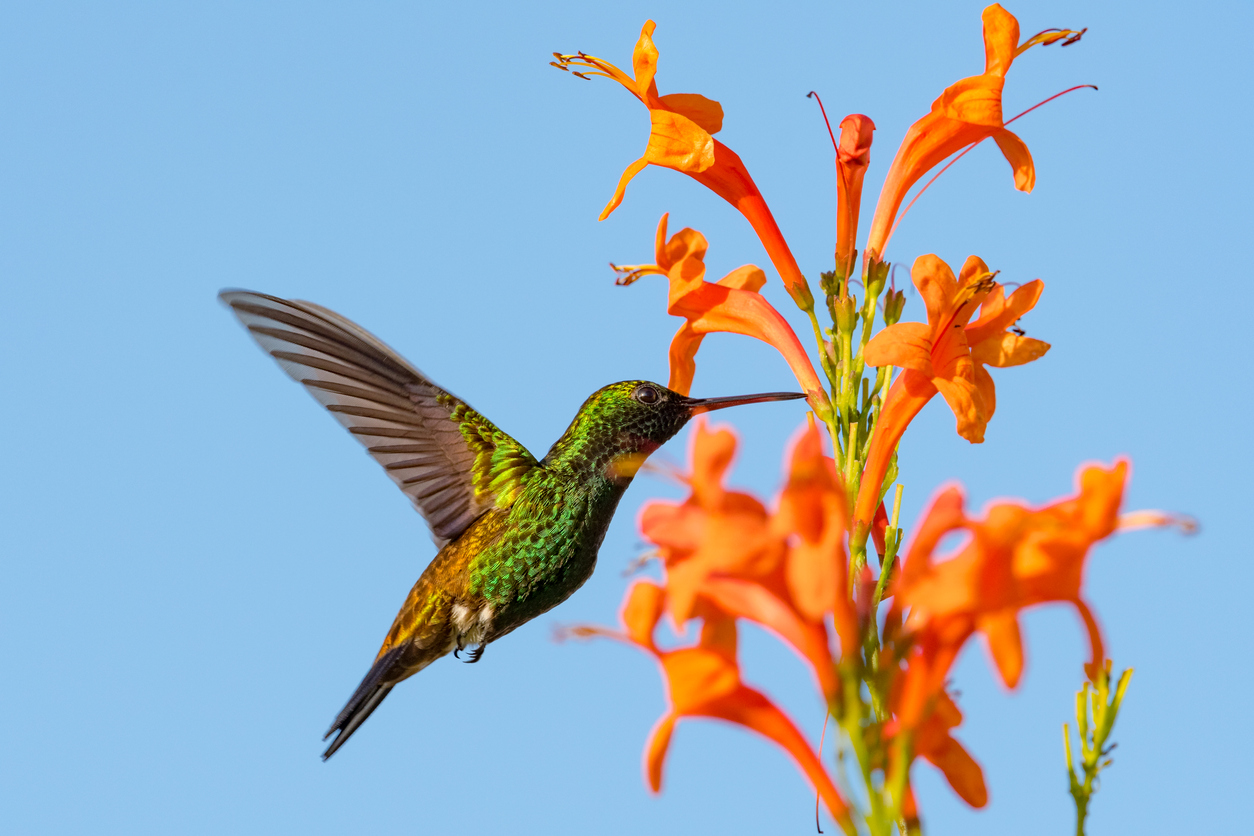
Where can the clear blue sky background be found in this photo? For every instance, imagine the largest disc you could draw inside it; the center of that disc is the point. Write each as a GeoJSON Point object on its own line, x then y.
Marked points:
{"type": "Point", "coordinates": [198, 564]}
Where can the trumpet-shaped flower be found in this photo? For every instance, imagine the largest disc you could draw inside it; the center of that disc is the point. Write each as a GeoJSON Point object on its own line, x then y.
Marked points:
{"type": "Point", "coordinates": [724, 547]}
{"type": "Point", "coordinates": [968, 112]}
{"type": "Point", "coordinates": [1016, 557]}
{"type": "Point", "coordinates": [732, 304]}
{"type": "Point", "coordinates": [704, 681]}
{"type": "Point", "coordinates": [681, 132]}
{"type": "Point", "coordinates": [947, 354]}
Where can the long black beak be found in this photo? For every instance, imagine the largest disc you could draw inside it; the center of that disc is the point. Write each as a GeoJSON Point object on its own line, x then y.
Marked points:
{"type": "Point", "coordinates": [700, 405]}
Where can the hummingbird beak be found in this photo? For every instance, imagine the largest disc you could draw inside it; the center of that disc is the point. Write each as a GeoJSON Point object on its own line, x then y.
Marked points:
{"type": "Point", "coordinates": [700, 405]}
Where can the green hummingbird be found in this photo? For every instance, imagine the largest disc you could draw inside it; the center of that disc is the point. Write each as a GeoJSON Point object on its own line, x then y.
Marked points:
{"type": "Point", "coordinates": [516, 536]}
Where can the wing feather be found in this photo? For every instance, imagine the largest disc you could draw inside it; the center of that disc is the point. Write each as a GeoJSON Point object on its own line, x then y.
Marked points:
{"type": "Point", "coordinates": [452, 462]}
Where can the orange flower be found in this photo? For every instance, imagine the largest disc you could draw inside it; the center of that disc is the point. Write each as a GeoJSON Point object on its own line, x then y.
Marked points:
{"type": "Point", "coordinates": [723, 547]}
{"type": "Point", "coordinates": [681, 138]}
{"type": "Point", "coordinates": [714, 531]}
{"type": "Point", "coordinates": [967, 112]}
{"type": "Point", "coordinates": [732, 304]}
{"type": "Point", "coordinates": [704, 681]}
{"type": "Point", "coordinates": [1017, 557]}
{"type": "Point", "coordinates": [947, 354]}
{"type": "Point", "coordinates": [853, 155]}
{"type": "Point", "coordinates": [813, 505]}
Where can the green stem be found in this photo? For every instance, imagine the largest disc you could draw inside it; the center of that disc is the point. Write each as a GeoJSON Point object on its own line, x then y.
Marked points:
{"type": "Point", "coordinates": [829, 370]}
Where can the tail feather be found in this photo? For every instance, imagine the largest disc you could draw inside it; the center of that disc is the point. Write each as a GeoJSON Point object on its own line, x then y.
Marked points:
{"type": "Point", "coordinates": [364, 700]}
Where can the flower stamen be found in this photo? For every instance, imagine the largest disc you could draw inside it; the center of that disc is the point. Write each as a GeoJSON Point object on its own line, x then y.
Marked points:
{"type": "Point", "coordinates": [823, 110]}
{"type": "Point", "coordinates": [630, 273]}
{"type": "Point", "coordinates": [1049, 36]}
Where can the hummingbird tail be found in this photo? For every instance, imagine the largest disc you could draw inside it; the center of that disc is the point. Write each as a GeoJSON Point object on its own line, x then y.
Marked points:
{"type": "Point", "coordinates": [364, 700]}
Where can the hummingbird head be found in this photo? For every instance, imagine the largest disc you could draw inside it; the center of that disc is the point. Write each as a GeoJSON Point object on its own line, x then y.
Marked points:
{"type": "Point", "coordinates": [621, 424]}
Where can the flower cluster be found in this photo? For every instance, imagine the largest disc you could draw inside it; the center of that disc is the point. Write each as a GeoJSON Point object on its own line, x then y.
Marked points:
{"type": "Point", "coordinates": [820, 569]}
{"type": "Point", "coordinates": [727, 558]}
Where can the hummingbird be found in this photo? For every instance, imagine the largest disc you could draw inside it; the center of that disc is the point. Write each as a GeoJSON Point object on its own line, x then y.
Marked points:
{"type": "Point", "coordinates": [516, 535]}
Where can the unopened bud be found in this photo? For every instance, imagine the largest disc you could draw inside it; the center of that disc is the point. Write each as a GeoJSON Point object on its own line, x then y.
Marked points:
{"type": "Point", "coordinates": [830, 282]}
{"type": "Point", "coordinates": [800, 293]}
{"type": "Point", "coordinates": [845, 311]}
{"type": "Point", "coordinates": [876, 278]}
{"type": "Point", "coordinates": [894, 302]}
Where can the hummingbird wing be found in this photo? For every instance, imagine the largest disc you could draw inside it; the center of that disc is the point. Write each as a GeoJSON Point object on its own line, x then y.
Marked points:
{"type": "Point", "coordinates": [453, 463]}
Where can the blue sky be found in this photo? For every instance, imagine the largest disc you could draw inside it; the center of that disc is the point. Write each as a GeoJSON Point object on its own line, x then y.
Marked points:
{"type": "Point", "coordinates": [199, 564]}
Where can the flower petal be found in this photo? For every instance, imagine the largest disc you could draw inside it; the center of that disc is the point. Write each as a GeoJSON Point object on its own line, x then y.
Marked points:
{"type": "Point", "coordinates": [938, 287]}
{"type": "Point", "coordinates": [696, 676]}
{"type": "Point", "coordinates": [1016, 152]}
{"type": "Point", "coordinates": [988, 392]}
{"type": "Point", "coordinates": [998, 312]}
{"type": "Point", "coordinates": [1005, 644]}
{"type": "Point", "coordinates": [674, 527]}
{"type": "Point", "coordinates": [748, 277]}
{"type": "Point", "coordinates": [677, 142]}
{"type": "Point", "coordinates": [641, 612]}
{"type": "Point", "coordinates": [907, 345]}
{"type": "Point", "coordinates": [961, 771]}
{"type": "Point", "coordinates": [964, 399]}
{"type": "Point", "coordinates": [644, 61]}
{"type": "Point", "coordinates": [628, 173]}
{"type": "Point", "coordinates": [655, 751]}
{"type": "Point", "coordinates": [684, 247]}
{"type": "Point", "coordinates": [683, 358]}
{"type": "Point", "coordinates": [1010, 350]}
{"type": "Point", "coordinates": [707, 113]}
{"type": "Point", "coordinates": [713, 451]}
{"type": "Point", "coordinates": [1001, 39]}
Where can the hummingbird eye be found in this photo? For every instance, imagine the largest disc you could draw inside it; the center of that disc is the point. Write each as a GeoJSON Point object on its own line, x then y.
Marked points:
{"type": "Point", "coordinates": [646, 394]}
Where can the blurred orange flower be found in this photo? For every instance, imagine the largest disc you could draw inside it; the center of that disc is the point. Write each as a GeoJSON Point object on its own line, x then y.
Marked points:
{"type": "Point", "coordinates": [704, 681]}
{"type": "Point", "coordinates": [933, 740]}
{"type": "Point", "coordinates": [732, 304]}
{"type": "Point", "coordinates": [947, 354]}
{"type": "Point", "coordinates": [681, 138]}
{"type": "Point", "coordinates": [724, 547]}
{"type": "Point", "coordinates": [969, 111]}
{"type": "Point", "coordinates": [1016, 557]}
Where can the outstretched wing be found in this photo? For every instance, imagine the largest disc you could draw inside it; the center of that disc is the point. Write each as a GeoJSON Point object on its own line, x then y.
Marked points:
{"type": "Point", "coordinates": [450, 460]}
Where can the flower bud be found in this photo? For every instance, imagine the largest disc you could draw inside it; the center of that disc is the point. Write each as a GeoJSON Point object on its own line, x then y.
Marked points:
{"type": "Point", "coordinates": [894, 302]}
{"type": "Point", "coordinates": [845, 311]}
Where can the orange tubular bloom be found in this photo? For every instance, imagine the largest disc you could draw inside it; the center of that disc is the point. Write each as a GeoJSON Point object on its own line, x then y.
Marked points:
{"type": "Point", "coordinates": [732, 304]}
{"type": "Point", "coordinates": [946, 355]}
{"type": "Point", "coordinates": [967, 112]}
{"type": "Point", "coordinates": [1017, 557]}
{"type": "Point", "coordinates": [853, 155]}
{"type": "Point", "coordinates": [681, 138]}
{"type": "Point", "coordinates": [723, 547]}
{"type": "Point", "coordinates": [704, 681]}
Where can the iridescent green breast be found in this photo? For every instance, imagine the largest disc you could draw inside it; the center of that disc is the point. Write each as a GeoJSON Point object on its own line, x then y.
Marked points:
{"type": "Point", "coordinates": [548, 547]}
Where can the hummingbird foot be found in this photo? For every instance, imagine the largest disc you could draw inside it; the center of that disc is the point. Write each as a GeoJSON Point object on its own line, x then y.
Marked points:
{"type": "Point", "coordinates": [475, 654]}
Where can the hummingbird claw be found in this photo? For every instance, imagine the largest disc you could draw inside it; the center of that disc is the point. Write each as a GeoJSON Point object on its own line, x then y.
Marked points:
{"type": "Point", "coordinates": [475, 654]}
